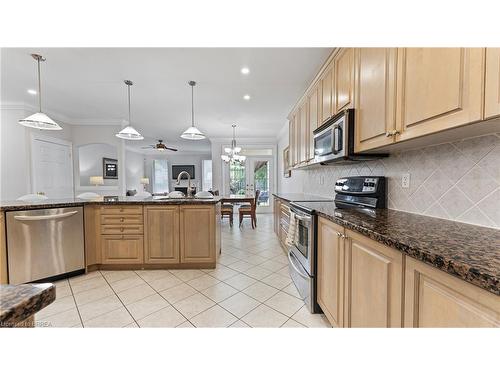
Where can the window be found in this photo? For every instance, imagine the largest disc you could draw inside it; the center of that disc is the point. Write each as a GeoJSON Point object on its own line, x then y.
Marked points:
{"type": "Point", "coordinates": [160, 176]}
{"type": "Point", "coordinates": [237, 178]}
{"type": "Point", "coordinates": [206, 183]}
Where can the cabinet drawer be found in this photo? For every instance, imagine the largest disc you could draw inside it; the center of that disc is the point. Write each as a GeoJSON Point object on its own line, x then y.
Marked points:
{"type": "Point", "coordinates": [122, 249]}
{"type": "Point", "coordinates": [121, 219]}
{"type": "Point", "coordinates": [122, 229]}
{"type": "Point", "coordinates": [120, 210]}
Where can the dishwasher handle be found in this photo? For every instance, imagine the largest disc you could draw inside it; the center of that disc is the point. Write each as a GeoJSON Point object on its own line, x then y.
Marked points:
{"type": "Point", "coordinates": [45, 217]}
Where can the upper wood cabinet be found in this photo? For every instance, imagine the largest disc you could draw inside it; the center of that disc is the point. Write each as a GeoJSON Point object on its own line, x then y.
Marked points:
{"type": "Point", "coordinates": [438, 89]}
{"type": "Point", "coordinates": [303, 139]}
{"type": "Point", "coordinates": [331, 271]}
{"type": "Point", "coordinates": [436, 299]}
{"type": "Point", "coordinates": [327, 93]}
{"type": "Point", "coordinates": [313, 105]}
{"type": "Point", "coordinates": [197, 234]}
{"type": "Point", "coordinates": [161, 237]}
{"type": "Point", "coordinates": [492, 83]}
{"type": "Point", "coordinates": [375, 90]}
{"type": "Point", "coordinates": [374, 283]}
{"type": "Point", "coordinates": [343, 80]}
{"type": "Point", "coordinates": [291, 140]}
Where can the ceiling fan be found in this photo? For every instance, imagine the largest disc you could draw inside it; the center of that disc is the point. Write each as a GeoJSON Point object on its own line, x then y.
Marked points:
{"type": "Point", "coordinates": [160, 146]}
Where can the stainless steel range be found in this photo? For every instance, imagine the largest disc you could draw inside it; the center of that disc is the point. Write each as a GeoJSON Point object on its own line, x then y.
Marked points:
{"type": "Point", "coordinates": [365, 192]}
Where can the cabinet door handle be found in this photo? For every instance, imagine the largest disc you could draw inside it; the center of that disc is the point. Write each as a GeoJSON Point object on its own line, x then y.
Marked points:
{"type": "Point", "coordinates": [392, 133]}
{"type": "Point", "coordinates": [344, 237]}
{"type": "Point", "coordinates": [121, 220]}
{"type": "Point", "coordinates": [121, 229]}
{"type": "Point", "coordinates": [339, 234]}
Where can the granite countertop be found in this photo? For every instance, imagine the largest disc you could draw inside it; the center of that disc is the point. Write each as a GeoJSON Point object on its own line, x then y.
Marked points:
{"type": "Point", "coordinates": [469, 252]}
{"type": "Point", "coordinates": [19, 302]}
{"type": "Point", "coordinates": [301, 197]}
{"type": "Point", "coordinates": [71, 202]}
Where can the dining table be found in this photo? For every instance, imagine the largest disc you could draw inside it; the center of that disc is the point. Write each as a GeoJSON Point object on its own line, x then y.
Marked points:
{"type": "Point", "coordinates": [238, 198]}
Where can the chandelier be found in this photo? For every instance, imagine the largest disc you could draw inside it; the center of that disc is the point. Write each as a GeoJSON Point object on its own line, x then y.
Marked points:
{"type": "Point", "coordinates": [233, 153]}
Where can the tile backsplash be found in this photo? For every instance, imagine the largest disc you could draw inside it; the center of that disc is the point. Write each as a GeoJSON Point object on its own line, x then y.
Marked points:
{"type": "Point", "coordinates": [457, 181]}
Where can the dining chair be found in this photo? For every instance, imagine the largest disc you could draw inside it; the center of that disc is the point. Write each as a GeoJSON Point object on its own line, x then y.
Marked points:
{"type": "Point", "coordinates": [250, 210]}
{"type": "Point", "coordinates": [227, 210]}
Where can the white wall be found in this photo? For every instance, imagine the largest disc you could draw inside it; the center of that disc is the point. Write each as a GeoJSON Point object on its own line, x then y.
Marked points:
{"type": "Point", "coordinates": [90, 159]}
{"type": "Point", "coordinates": [15, 146]}
{"type": "Point", "coordinates": [134, 165]}
{"type": "Point", "coordinates": [178, 159]}
{"type": "Point", "coordinates": [89, 134]}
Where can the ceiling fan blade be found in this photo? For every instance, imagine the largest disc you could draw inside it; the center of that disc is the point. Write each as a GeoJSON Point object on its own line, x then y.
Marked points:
{"type": "Point", "coordinates": [170, 148]}
{"type": "Point", "coordinates": [146, 147]}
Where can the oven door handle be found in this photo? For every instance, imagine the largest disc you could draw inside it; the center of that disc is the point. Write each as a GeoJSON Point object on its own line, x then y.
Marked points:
{"type": "Point", "coordinates": [294, 266]}
{"type": "Point", "coordinates": [301, 217]}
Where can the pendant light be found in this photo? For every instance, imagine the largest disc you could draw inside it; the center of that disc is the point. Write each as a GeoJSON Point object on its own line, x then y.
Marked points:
{"type": "Point", "coordinates": [39, 120]}
{"type": "Point", "coordinates": [192, 132]}
{"type": "Point", "coordinates": [233, 152]}
{"type": "Point", "coordinates": [128, 132]}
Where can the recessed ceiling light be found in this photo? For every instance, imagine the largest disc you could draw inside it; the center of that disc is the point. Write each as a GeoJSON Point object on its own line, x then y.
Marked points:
{"type": "Point", "coordinates": [246, 97]}
{"type": "Point", "coordinates": [245, 70]}
{"type": "Point", "coordinates": [32, 92]}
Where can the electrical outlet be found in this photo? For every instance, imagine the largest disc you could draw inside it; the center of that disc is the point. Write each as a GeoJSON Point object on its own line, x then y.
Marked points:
{"type": "Point", "coordinates": [405, 181]}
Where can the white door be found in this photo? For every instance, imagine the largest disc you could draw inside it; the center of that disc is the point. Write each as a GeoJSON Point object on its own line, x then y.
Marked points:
{"type": "Point", "coordinates": [52, 167]}
{"type": "Point", "coordinates": [259, 176]}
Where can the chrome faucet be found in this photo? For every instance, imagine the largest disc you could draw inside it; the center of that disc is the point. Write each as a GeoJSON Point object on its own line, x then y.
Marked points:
{"type": "Point", "coordinates": [189, 189]}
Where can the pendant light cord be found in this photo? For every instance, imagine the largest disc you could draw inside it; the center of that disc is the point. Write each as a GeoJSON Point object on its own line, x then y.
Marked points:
{"type": "Point", "coordinates": [128, 86]}
{"type": "Point", "coordinates": [39, 87]}
{"type": "Point", "coordinates": [192, 105]}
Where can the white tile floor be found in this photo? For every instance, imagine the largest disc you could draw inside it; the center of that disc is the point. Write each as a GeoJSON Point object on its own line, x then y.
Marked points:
{"type": "Point", "coordinates": [250, 287]}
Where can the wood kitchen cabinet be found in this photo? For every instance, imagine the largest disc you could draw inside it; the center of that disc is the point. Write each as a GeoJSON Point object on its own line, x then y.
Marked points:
{"type": "Point", "coordinates": [436, 299]}
{"type": "Point", "coordinates": [126, 249]}
{"type": "Point", "coordinates": [292, 140]}
{"type": "Point", "coordinates": [327, 93]}
{"type": "Point", "coordinates": [438, 89]}
{"type": "Point", "coordinates": [161, 237]}
{"type": "Point", "coordinates": [374, 283]}
{"type": "Point", "coordinates": [197, 234]}
{"type": "Point", "coordinates": [330, 294]}
{"type": "Point", "coordinates": [375, 90]}
{"type": "Point", "coordinates": [343, 79]}
{"type": "Point", "coordinates": [492, 83]}
{"type": "Point", "coordinates": [313, 118]}
{"type": "Point", "coordinates": [3, 251]}
{"type": "Point", "coordinates": [303, 139]}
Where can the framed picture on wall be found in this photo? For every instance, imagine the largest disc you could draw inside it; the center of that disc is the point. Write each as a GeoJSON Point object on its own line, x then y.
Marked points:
{"type": "Point", "coordinates": [287, 172]}
{"type": "Point", "coordinates": [109, 168]}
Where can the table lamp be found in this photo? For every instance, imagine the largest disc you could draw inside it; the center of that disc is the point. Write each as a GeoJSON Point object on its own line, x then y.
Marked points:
{"type": "Point", "coordinates": [144, 182]}
{"type": "Point", "coordinates": [96, 180]}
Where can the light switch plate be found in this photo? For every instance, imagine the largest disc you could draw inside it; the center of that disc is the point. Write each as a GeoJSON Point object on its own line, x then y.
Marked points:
{"type": "Point", "coordinates": [405, 181]}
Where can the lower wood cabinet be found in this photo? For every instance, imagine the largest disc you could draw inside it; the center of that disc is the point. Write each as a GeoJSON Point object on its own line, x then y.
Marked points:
{"type": "Point", "coordinates": [330, 279]}
{"type": "Point", "coordinates": [492, 83]}
{"type": "Point", "coordinates": [374, 283]}
{"type": "Point", "coordinates": [436, 299]}
{"type": "Point", "coordinates": [197, 234]}
{"type": "Point", "coordinates": [3, 251]}
{"type": "Point", "coordinates": [127, 249]}
{"type": "Point", "coordinates": [161, 236]}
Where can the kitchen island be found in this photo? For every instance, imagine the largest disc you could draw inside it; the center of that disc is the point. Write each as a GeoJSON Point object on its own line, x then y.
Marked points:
{"type": "Point", "coordinates": [19, 303]}
{"type": "Point", "coordinates": [139, 233]}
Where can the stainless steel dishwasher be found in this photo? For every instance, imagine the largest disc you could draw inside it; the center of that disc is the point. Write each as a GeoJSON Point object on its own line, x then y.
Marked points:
{"type": "Point", "coordinates": [43, 244]}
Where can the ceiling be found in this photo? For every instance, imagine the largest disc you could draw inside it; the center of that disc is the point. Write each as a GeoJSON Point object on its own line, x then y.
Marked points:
{"type": "Point", "coordinates": [86, 86]}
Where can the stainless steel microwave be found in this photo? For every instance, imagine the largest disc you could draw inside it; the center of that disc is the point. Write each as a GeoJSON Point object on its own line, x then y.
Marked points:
{"type": "Point", "coordinates": [334, 141]}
